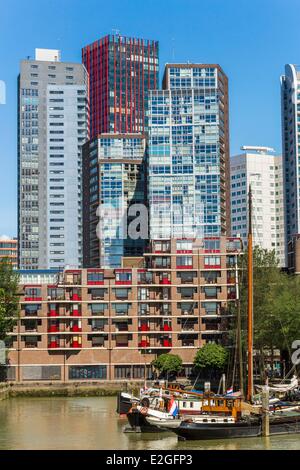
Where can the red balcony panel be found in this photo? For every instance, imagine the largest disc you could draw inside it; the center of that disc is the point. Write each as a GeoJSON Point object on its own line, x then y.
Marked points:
{"type": "Point", "coordinates": [212, 266]}
{"type": "Point", "coordinates": [165, 281]}
{"type": "Point", "coordinates": [53, 344]}
{"type": "Point", "coordinates": [167, 328]}
{"type": "Point", "coordinates": [53, 313]}
{"type": "Point", "coordinates": [127, 283]}
{"type": "Point", "coordinates": [33, 299]}
{"type": "Point", "coordinates": [167, 343]}
{"type": "Point", "coordinates": [184, 251]}
{"type": "Point", "coordinates": [75, 344]}
{"type": "Point", "coordinates": [144, 344]}
{"type": "Point", "coordinates": [184, 267]}
{"type": "Point", "coordinates": [75, 313]}
{"type": "Point", "coordinates": [75, 297]}
{"type": "Point", "coordinates": [144, 328]}
{"type": "Point", "coordinates": [53, 328]}
{"type": "Point", "coordinates": [76, 328]}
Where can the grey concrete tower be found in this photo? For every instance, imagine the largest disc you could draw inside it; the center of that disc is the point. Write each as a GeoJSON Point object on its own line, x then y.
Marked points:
{"type": "Point", "coordinates": [52, 127]}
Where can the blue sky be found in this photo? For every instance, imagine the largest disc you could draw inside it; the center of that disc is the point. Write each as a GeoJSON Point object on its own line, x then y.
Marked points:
{"type": "Point", "coordinates": [251, 40]}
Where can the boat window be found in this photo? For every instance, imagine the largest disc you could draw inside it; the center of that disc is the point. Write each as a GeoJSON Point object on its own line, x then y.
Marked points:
{"type": "Point", "coordinates": [184, 404]}
{"type": "Point", "coordinates": [213, 420]}
{"type": "Point", "coordinates": [205, 420]}
{"type": "Point", "coordinates": [225, 420]}
{"type": "Point", "coordinates": [191, 405]}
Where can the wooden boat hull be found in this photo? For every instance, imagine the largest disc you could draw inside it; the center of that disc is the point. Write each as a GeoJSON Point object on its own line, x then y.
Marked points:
{"type": "Point", "coordinates": [138, 422]}
{"type": "Point", "coordinates": [208, 431]}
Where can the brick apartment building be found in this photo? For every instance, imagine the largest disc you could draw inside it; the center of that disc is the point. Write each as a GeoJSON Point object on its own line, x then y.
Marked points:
{"type": "Point", "coordinates": [97, 324]}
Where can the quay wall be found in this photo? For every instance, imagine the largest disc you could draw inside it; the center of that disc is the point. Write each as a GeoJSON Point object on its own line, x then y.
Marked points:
{"type": "Point", "coordinates": [67, 389]}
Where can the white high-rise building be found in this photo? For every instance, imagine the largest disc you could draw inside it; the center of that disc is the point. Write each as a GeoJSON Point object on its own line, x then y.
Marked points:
{"type": "Point", "coordinates": [53, 126]}
{"type": "Point", "coordinates": [290, 112]}
{"type": "Point", "coordinates": [264, 172]}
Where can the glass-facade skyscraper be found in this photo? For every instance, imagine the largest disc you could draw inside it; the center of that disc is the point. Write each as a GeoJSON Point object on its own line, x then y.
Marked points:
{"type": "Point", "coordinates": [121, 71]}
{"type": "Point", "coordinates": [188, 161]}
{"type": "Point", "coordinates": [114, 180]}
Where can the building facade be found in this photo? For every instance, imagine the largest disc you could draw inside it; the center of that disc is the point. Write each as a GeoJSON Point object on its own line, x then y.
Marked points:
{"type": "Point", "coordinates": [122, 70]}
{"type": "Point", "coordinates": [93, 324]}
{"type": "Point", "coordinates": [290, 116]}
{"type": "Point", "coordinates": [114, 181]}
{"type": "Point", "coordinates": [52, 127]}
{"type": "Point", "coordinates": [263, 171]}
{"type": "Point", "coordinates": [188, 170]}
{"type": "Point", "coordinates": [9, 249]}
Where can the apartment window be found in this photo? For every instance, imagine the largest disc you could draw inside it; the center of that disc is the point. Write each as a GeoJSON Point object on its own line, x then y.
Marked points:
{"type": "Point", "coordinates": [122, 293]}
{"type": "Point", "coordinates": [211, 244]}
{"type": "Point", "coordinates": [121, 309]}
{"type": "Point", "coordinates": [123, 277]}
{"type": "Point", "coordinates": [184, 261]}
{"type": "Point", "coordinates": [186, 292]}
{"type": "Point", "coordinates": [98, 309]}
{"type": "Point", "coordinates": [184, 245]}
{"type": "Point", "coordinates": [97, 294]}
{"type": "Point", "coordinates": [95, 277]}
{"type": "Point", "coordinates": [212, 260]}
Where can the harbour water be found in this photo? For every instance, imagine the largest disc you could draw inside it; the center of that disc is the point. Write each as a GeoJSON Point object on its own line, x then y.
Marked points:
{"type": "Point", "coordinates": [92, 423]}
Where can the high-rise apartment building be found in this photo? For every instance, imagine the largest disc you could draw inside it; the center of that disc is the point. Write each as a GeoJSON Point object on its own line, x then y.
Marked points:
{"type": "Point", "coordinates": [121, 71]}
{"type": "Point", "coordinates": [52, 127]}
{"type": "Point", "coordinates": [114, 182]}
{"type": "Point", "coordinates": [263, 171]}
{"type": "Point", "coordinates": [290, 112]}
{"type": "Point", "coordinates": [188, 179]}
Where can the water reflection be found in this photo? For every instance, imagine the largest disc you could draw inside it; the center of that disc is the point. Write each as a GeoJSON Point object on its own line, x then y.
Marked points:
{"type": "Point", "coordinates": [91, 423]}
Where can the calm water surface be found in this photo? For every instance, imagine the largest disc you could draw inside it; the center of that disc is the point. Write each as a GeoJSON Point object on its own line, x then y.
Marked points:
{"type": "Point", "coordinates": [91, 423]}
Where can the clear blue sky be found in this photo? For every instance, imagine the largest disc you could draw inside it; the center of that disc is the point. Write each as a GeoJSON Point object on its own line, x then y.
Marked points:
{"type": "Point", "coordinates": [251, 39]}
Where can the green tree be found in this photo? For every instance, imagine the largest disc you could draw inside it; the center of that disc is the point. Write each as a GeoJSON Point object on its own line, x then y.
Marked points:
{"type": "Point", "coordinates": [168, 364]}
{"type": "Point", "coordinates": [211, 357]}
{"type": "Point", "coordinates": [276, 303]}
{"type": "Point", "coordinates": [9, 298]}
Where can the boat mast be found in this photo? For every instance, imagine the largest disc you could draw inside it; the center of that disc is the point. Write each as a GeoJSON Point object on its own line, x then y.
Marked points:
{"type": "Point", "coordinates": [250, 302]}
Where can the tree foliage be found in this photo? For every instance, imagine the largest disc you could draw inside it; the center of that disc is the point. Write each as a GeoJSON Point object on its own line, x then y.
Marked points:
{"type": "Point", "coordinates": [9, 298]}
{"type": "Point", "coordinates": [211, 356]}
{"type": "Point", "coordinates": [276, 303]}
{"type": "Point", "coordinates": [168, 363]}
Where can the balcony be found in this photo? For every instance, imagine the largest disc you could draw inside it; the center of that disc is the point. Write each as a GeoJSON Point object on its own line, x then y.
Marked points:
{"type": "Point", "coordinates": [53, 328]}
{"type": "Point", "coordinates": [144, 327]}
{"type": "Point", "coordinates": [75, 312]}
{"type": "Point", "coordinates": [75, 297]}
{"type": "Point", "coordinates": [76, 328]}
{"type": "Point", "coordinates": [144, 344]}
{"type": "Point", "coordinates": [165, 281]}
{"type": "Point", "coordinates": [166, 328]}
{"type": "Point", "coordinates": [53, 312]}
